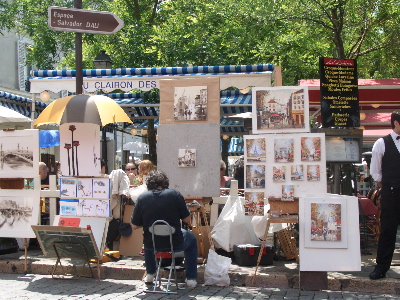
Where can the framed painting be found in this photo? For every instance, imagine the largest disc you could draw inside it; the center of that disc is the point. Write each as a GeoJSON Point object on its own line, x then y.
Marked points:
{"type": "Point", "coordinates": [190, 103]}
{"type": "Point", "coordinates": [19, 210]}
{"type": "Point", "coordinates": [280, 109]}
{"type": "Point", "coordinates": [19, 153]}
{"type": "Point", "coordinates": [325, 223]}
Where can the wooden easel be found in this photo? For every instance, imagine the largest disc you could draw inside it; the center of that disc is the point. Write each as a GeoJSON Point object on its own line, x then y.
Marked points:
{"type": "Point", "coordinates": [276, 204]}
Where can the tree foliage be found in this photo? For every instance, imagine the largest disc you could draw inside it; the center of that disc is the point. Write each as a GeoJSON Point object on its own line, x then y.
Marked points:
{"type": "Point", "coordinates": [292, 34]}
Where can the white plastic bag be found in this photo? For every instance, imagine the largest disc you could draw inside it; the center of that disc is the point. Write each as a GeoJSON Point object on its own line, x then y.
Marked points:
{"type": "Point", "coordinates": [232, 227]}
{"type": "Point", "coordinates": [216, 270]}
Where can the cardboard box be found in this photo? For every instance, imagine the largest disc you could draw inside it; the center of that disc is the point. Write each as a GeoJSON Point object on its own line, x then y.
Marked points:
{"type": "Point", "coordinates": [247, 255]}
{"type": "Point", "coordinates": [131, 245]}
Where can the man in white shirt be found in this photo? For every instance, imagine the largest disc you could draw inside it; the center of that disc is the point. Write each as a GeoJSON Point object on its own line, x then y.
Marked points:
{"type": "Point", "coordinates": [385, 170]}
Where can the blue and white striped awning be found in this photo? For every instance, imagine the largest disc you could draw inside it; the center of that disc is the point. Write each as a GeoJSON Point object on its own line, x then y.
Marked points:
{"type": "Point", "coordinates": [158, 71]}
{"type": "Point", "coordinates": [20, 104]}
{"type": "Point", "coordinates": [128, 79]}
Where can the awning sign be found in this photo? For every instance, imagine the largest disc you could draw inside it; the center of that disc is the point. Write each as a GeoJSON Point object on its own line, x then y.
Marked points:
{"type": "Point", "coordinates": [339, 92]}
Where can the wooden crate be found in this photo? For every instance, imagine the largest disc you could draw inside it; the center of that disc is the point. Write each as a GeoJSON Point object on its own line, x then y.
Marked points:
{"type": "Point", "coordinates": [288, 243]}
{"type": "Point", "coordinates": [285, 207]}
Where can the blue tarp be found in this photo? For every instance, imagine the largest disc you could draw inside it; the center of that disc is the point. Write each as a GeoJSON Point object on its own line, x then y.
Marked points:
{"type": "Point", "coordinates": [49, 138]}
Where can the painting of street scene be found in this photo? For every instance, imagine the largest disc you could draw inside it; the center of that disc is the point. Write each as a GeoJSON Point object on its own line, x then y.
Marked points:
{"type": "Point", "coordinates": [311, 149]}
{"type": "Point", "coordinates": [313, 173]}
{"type": "Point", "coordinates": [280, 108]}
{"type": "Point", "coordinates": [279, 173]}
{"type": "Point", "coordinates": [287, 192]}
{"type": "Point", "coordinates": [190, 103]}
{"type": "Point", "coordinates": [326, 219]}
{"type": "Point", "coordinates": [255, 176]}
{"type": "Point", "coordinates": [296, 172]}
{"type": "Point", "coordinates": [255, 149]}
{"type": "Point", "coordinates": [254, 203]}
{"type": "Point", "coordinates": [187, 158]}
{"type": "Point", "coordinates": [283, 150]}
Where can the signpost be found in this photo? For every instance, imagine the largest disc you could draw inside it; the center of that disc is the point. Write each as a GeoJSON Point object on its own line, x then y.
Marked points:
{"type": "Point", "coordinates": [80, 21]}
{"type": "Point", "coordinates": [83, 20]}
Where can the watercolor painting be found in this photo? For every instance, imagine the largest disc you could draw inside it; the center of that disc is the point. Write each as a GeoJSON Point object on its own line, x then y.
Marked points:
{"type": "Point", "coordinates": [254, 203]}
{"type": "Point", "coordinates": [279, 173]}
{"type": "Point", "coordinates": [296, 172]}
{"type": "Point", "coordinates": [311, 149]}
{"type": "Point", "coordinates": [326, 222]}
{"type": "Point", "coordinates": [255, 150]}
{"type": "Point", "coordinates": [283, 150]}
{"type": "Point", "coordinates": [255, 176]}
{"type": "Point", "coordinates": [280, 109]}
{"type": "Point", "coordinates": [287, 192]}
{"type": "Point", "coordinates": [313, 173]}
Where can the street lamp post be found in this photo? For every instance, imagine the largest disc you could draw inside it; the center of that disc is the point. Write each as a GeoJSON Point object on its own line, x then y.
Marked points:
{"type": "Point", "coordinates": [103, 61]}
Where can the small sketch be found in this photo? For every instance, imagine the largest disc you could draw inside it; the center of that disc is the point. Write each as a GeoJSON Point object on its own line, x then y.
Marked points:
{"type": "Point", "coordinates": [279, 174]}
{"type": "Point", "coordinates": [190, 103]}
{"type": "Point", "coordinates": [254, 203]}
{"type": "Point", "coordinates": [84, 188]}
{"type": "Point", "coordinates": [101, 188]}
{"type": "Point", "coordinates": [287, 192]}
{"type": "Point", "coordinates": [313, 173]}
{"type": "Point", "coordinates": [283, 150]}
{"type": "Point", "coordinates": [255, 149]}
{"type": "Point", "coordinates": [255, 176]}
{"type": "Point", "coordinates": [311, 149]}
{"type": "Point", "coordinates": [187, 158]}
{"type": "Point", "coordinates": [326, 222]}
{"type": "Point", "coordinates": [68, 187]}
{"type": "Point", "coordinates": [296, 172]}
{"type": "Point", "coordinates": [11, 213]}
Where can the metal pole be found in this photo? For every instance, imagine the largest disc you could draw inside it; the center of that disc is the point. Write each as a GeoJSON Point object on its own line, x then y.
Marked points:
{"type": "Point", "coordinates": [78, 55]}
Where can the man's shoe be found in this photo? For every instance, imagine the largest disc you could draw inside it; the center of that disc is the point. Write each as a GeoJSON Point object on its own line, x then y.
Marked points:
{"type": "Point", "coordinates": [149, 278]}
{"type": "Point", "coordinates": [191, 283]}
{"type": "Point", "coordinates": [377, 274]}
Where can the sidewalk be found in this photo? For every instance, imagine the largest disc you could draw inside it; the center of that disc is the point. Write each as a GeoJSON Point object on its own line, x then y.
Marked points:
{"type": "Point", "coordinates": [282, 274]}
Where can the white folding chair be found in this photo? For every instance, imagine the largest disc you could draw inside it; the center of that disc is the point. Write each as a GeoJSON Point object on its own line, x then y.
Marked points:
{"type": "Point", "coordinates": [162, 228]}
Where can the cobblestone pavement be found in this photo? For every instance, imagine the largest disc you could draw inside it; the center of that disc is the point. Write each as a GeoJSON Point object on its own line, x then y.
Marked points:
{"type": "Point", "coordinates": [17, 286]}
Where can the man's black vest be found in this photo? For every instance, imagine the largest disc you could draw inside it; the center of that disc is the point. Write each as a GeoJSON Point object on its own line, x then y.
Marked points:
{"type": "Point", "coordinates": [390, 163]}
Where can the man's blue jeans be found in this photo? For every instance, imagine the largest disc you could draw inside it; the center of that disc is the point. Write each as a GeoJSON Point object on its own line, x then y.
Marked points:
{"type": "Point", "coordinates": [189, 247]}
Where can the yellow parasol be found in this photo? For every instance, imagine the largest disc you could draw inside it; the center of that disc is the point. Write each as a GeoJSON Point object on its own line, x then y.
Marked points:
{"type": "Point", "coordinates": [95, 109]}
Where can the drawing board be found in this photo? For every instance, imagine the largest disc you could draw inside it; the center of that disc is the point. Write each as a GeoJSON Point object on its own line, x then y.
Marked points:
{"type": "Point", "coordinates": [99, 226]}
{"type": "Point", "coordinates": [48, 235]}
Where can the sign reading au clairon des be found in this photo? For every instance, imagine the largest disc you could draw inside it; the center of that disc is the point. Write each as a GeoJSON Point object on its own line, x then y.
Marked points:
{"type": "Point", "coordinates": [83, 20]}
{"type": "Point", "coordinates": [94, 84]}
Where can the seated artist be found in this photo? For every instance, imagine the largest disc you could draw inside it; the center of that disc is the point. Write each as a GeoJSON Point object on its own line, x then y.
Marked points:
{"type": "Point", "coordinates": [161, 203]}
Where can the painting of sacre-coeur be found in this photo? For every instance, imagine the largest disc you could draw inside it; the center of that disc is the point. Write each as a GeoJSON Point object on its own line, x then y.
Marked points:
{"type": "Point", "coordinates": [190, 103]}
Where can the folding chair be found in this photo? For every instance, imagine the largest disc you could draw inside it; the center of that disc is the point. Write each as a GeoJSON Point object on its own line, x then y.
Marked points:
{"type": "Point", "coordinates": [162, 228]}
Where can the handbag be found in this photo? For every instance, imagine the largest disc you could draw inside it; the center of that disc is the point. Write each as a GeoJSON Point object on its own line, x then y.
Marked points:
{"type": "Point", "coordinates": [124, 229]}
{"type": "Point", "coordinates": [113, 232]}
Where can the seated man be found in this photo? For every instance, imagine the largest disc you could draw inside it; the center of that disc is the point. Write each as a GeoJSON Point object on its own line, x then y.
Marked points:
{"type": "Point", "coordinates": [161, 203]}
